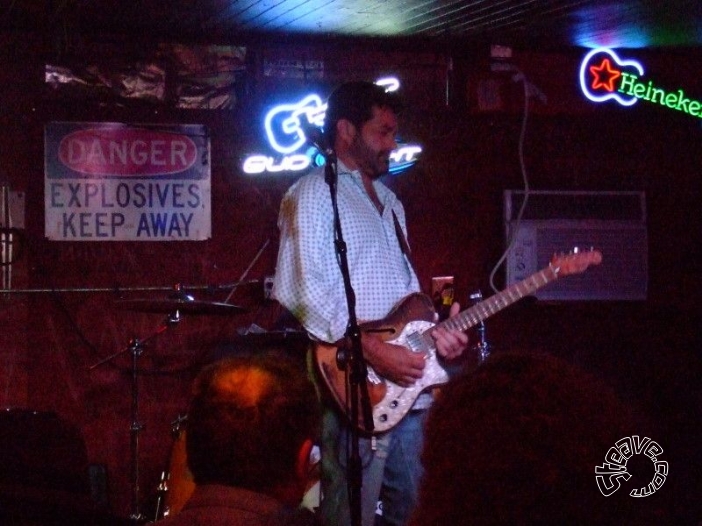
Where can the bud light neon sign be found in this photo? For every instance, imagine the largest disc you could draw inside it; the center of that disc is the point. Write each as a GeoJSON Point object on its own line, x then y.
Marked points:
{"type": "Point", "coordinates": [604, 76]}
{"type": "Point", "coordinates": [285, 126]}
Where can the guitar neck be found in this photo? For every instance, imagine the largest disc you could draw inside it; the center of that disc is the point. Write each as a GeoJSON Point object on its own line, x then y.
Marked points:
{"type": "Point", "coordinates": [468, 318]}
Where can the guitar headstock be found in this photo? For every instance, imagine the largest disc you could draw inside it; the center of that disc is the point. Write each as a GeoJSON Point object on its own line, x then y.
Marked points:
{"type": "Point", "coordinates": [576, 262]}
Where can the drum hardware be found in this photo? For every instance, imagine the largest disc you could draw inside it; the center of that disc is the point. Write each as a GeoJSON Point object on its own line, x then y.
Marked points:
{"type": "Point", "coordinates": [161, 492]}
{"type": "Point", "coordinates": [178, 303]}
{"type": "Point", "coordinates": [483, 347]}
{"type": "Point", "coordinates": [179, 480]}
{"type": "Point", "coordinates": [121, 290]}
{"type": "Point", "coordinates": [163, 506]}
{"type": "Point", "coordinates": [136, 347]}
{"type": "Point", "coordinates": [248, 269]}
{"type": "Point", "coordinates": [177, 424]}
{"type": "Point", "coordinates": [181, 303]}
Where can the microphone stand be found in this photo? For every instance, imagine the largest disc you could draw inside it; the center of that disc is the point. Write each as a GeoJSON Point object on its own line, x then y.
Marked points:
{"type": "Point", "coordinates": [353, 362]}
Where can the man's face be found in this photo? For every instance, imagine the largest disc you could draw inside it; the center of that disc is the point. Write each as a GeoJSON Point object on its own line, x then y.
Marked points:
{"type": "Point", "coordinates": [373, 143]}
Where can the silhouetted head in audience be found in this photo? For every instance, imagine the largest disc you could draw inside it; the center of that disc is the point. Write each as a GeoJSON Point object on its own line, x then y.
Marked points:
{"type": "Point", "coordinates": [516, 441]}
{"type": "Point", "coordinates": [251, 424]}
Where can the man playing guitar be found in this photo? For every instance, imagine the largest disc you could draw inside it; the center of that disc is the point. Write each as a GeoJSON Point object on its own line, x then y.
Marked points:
{"type": "Point", "coordinates": [360, 126]}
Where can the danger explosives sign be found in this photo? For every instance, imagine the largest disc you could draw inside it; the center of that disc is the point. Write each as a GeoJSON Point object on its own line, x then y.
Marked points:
{"type": "Point", "coordinates": [118, 182]}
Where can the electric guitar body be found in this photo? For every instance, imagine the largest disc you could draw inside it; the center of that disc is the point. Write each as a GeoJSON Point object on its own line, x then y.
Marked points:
{"type": "Point", "coordinates": [409, 324]}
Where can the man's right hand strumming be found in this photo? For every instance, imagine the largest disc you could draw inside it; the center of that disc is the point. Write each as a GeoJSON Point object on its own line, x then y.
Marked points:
{"type": "Point", "coordinates": [394, 362]}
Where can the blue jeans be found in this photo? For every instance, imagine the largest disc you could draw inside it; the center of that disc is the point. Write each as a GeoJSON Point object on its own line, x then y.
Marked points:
{"type": "Point", "coordinates": [391, 471]}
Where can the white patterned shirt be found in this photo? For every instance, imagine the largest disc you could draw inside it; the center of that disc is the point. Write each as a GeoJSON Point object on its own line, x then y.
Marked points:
{"type": "Point", "coordinates": [308, 280]}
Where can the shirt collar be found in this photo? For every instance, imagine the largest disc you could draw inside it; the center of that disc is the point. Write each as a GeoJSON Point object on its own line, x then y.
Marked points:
{"type": "Point", "coordinates": [354, 175]}
{"type": "Point", "coordinates": [343, 169]}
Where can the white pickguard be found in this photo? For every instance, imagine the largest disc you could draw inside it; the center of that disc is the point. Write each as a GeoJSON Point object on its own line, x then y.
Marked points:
{"type": "Point", "coordinates": [398, 401]}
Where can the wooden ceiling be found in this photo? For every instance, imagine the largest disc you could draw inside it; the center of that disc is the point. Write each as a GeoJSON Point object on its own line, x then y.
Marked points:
{"type": "Point", "coordinates": [525, 23]}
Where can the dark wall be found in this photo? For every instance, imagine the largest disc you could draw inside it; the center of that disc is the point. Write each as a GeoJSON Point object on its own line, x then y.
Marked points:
{"type": "Point", "coordinates": [649, 350]}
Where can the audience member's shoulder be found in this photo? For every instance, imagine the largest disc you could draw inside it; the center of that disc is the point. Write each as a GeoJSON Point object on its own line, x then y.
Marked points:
{"type": "Point", "coordinates": [519, 438]}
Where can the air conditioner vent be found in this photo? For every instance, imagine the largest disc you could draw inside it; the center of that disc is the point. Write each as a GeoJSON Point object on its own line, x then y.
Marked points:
{"type": "Point", "coordinates": [556, 222]}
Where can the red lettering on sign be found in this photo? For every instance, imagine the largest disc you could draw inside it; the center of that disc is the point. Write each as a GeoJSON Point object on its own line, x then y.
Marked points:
{"type": "Point", "coordinates": [127, 151]}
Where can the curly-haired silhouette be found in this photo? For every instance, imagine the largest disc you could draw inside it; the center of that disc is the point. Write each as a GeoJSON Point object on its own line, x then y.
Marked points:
{"type": "Point", "coordinates": [516, 441]}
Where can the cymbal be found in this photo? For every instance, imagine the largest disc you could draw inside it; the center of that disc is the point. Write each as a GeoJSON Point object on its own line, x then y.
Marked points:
{"type": "Point", "coordinates": [184, 306]}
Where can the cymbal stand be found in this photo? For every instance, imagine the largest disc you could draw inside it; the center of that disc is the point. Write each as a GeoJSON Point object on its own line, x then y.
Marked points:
{"type": "Point", "coordinates": [161, 512]}
{"type": "Point", "coordinates": [136, 347]}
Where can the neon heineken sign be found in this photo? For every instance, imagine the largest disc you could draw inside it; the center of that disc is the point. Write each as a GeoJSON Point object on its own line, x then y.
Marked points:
{"type": "Point", "coordinates": [605, 76]}
{"type": "Point", "coordinates": [285, 126]}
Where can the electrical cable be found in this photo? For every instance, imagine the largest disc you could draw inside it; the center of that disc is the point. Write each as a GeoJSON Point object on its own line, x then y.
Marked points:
{"type": "Point", "coordinates": [519, 76]}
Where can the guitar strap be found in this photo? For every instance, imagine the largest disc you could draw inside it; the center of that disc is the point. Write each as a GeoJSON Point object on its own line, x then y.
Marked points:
{"type": "Point", "coordinates": [404, 246]}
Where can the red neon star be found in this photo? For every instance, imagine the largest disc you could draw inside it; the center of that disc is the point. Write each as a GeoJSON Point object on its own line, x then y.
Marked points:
{"type": "Point", "coordinates": [604, 75]}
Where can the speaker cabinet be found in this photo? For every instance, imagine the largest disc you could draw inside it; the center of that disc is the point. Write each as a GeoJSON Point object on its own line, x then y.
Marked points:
{"type": "Point", "coordinates": [557, 222]}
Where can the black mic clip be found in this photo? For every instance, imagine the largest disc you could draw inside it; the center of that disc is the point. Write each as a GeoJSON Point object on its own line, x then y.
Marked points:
{"type": "Point", "coordinates": [314, 135]}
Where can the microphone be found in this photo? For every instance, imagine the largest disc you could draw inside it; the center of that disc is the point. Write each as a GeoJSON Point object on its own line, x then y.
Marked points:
{"type": "Point", "coordinates": [315, 137]}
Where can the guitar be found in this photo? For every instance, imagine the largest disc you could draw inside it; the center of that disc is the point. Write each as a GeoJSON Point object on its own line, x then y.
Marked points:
{"type": "Point", "coordinates": [409, 323]}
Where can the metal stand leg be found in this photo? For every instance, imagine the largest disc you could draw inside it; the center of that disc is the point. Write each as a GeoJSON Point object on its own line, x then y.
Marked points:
{"type": "Point", "coordinates": [163, 509]}
{"type": "Point", "coordinates": [136, 349]}
{"type": "Point", "coordinates": [483, 347]}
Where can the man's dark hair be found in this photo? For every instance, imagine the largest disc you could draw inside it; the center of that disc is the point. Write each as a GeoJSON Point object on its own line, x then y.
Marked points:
{"type": "Point", "coordinates": [516, 442]}
{"type": "Point", "coordinates": [247, 420]}
{"type": "Point", "coordinates": [354, 101]}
